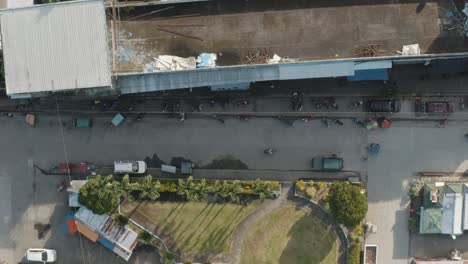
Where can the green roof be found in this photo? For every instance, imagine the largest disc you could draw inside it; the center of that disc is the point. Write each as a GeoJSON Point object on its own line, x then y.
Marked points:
{"type": "Point", "coordinates": [431, 221]}
{"type": "Point", "coordinates": [454, 188]}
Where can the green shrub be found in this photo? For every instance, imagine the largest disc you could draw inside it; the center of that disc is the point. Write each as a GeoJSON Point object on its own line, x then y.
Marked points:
{"type": "Point", "coordinates": [168, 186]}
{"type": "Point", "coordinates": [144, 237]}
{"type": "Point", "coordinates": [356, 235]}
{"type": "Point", "coordinates": [347, 204]}
{"type": "Point", "coordinates": [413, 225]}
{"type": "Point", "coordinates": [300, 185]}
{"type": "Point", "coordinates": [355, 254]}
{"type": "Point", "coordinates": [121, 220]}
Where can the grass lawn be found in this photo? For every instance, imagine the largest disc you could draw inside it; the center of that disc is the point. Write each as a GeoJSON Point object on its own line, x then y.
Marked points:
{"type": "Point", "coordinates": [196, 229]}
{"type": "Point", "coordinates": [290, 235]}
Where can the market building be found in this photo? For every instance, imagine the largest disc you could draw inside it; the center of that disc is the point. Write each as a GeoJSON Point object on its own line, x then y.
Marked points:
{"type": "Point", "coordinates": [180, 45]}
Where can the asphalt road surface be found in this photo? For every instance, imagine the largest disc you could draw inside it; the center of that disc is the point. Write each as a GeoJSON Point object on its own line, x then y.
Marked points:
{"type": "Point", "coordinates": [28, 197]}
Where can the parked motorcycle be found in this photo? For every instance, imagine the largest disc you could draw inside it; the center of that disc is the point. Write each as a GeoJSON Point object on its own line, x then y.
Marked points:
{"type": "Point", "coordinates": [338, 122]}
{"type": "Point", "coordinates": [181, 117]}
{"type": "Point", "coordinates": [218, 118]}
{"type": "Point", "coordinates": [140, 116]}
{"type": "Point", "coordinates": [357, 104]}
{"type": "Point", "coordinates": [243, 118]}
{"type": "Point", "coordinates": [326, 122]}
{"type": "Point", "coordinates": [334, 105]}
{"type": "Point", "coordinates": [358, 122]}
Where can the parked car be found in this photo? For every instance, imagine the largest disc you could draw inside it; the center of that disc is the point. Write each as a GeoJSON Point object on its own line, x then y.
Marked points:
{"type": "Point", "coordinates": [332, 163]}
{"type": "Point", "coordinates": [384, 106]}
{"type": "Point", "coordinates": [129, 167]}
{"type": "Point", "coordinates": [439, 107]}
{"type": "Point", "coordinates": [42, 255]}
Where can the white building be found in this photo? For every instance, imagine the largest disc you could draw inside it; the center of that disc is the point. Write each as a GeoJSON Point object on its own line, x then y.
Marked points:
{"type": "Point", "coordinates": [55, 47]}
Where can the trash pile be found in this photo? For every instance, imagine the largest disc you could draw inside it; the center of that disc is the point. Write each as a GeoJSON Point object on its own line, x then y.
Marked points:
{"type": "Point", "coordinates": [175, 63]}
{"type": "Point", "coordinates": [455, 21]}
{"type": "Point", "coordinates": [170, 63]}
{"type": "Point", "coordinates": [409, 50]}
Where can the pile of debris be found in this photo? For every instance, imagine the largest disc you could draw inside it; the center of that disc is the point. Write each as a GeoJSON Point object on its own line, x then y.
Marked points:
{"type": "Point", "coordinates": [175, 63]}
{"type": "Point", "coordinates": [258, 57]}
{"type": "Point", "coordinates": [456, 21]}
{"type": "Point", "coordinates": [265, 56]}
{"type": "Point", "coordinates": [368, 50]}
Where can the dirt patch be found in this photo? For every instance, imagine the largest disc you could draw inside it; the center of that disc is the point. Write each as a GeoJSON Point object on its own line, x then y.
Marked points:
{"type": "Point", "coordinates": [226, 163]}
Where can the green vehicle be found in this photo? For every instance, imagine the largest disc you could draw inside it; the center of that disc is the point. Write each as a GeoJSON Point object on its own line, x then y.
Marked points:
{"type": "Point", "coordinates": [82, 122]}
{"type": "Point", "coordinates": [332, 163]}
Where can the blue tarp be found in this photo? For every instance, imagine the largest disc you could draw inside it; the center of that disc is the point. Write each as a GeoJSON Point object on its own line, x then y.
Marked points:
{"type": "Point", "coordinates": [70, 215]}
{"type": "Point", "coordinates": [106, 243]}
{"type": "Point", "coordinates": [206, 60]}
{"type": "Point", "coordinates": [370, 75]}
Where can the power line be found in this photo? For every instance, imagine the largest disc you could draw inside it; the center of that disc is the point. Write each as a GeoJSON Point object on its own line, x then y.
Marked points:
{"type": "Point", "coordinates": [66, 161]}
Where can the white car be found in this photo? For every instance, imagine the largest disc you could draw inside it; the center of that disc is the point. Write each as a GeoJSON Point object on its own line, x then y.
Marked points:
{"type": "Point", "coordinates": [129, 167]}
{"type": "Point", "coordinates": [41, 255]}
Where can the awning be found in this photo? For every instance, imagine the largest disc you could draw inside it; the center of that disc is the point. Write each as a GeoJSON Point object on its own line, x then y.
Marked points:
{"type": "Point", "coordinates": [85, 231]}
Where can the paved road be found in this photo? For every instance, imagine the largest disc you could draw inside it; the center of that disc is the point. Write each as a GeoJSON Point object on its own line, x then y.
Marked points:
{"type": "Point", "coordinates": [28, 198]}
{"type": "Point", "coordinates": [406, 150]}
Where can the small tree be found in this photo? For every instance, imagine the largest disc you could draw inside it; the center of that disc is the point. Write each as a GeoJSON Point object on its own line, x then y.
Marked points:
{"type": "Point", "coordinates": [347, 204]}
{"type": "Point", "coordinates": [144, 237]}
{"type": "Point", "coordinates": [128, 188]}
{"type": "Point", "coordinates": [121, 220]}
{"type": "Point", "coordinates": [192, 190]}
{"type": "Point", "coordinates": [148, 189]}
{"type": "Point", "coordinates": [99, 195]}
{"type": "Point", "coordinates": [169, 258]}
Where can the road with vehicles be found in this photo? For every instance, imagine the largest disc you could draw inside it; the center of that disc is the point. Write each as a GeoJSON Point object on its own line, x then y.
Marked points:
{"type": "Point", "coordinates": [28, 197]}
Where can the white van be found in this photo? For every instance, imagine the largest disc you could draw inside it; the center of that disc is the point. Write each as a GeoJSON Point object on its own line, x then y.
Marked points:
{"type": "Point", "coordinates": [129, 167]}
{"type": "Point", "coordinates": [41, 255]}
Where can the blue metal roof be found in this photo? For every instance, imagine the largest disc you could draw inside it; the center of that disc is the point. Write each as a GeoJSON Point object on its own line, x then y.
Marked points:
{"type": "Point", "coordinates": [158, 81]}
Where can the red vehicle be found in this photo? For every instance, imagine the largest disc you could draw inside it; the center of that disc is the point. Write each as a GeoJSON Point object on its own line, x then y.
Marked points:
{"type": "Point", "coordinates": [439, 107]}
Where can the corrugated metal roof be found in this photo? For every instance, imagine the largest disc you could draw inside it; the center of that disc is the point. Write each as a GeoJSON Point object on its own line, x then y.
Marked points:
{"type": "Point", "coordinates": [55, 47]}
{"type": "Point", "coordinates": [157, 81]}
{"type": "Point", "coordinates": [452, 214]}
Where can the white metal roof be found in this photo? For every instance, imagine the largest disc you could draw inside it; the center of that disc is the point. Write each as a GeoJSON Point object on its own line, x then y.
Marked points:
{"type": "Point", "coordinates": [55, 47]}
{"type": "Point", "coordinates": [465, 213]}
{"type": "Point", "coordinates": [452, 214]}
{"type": "Point", "coordinates": [92, 220]}
{"type": "Point", "coordinates": [15, 3]}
